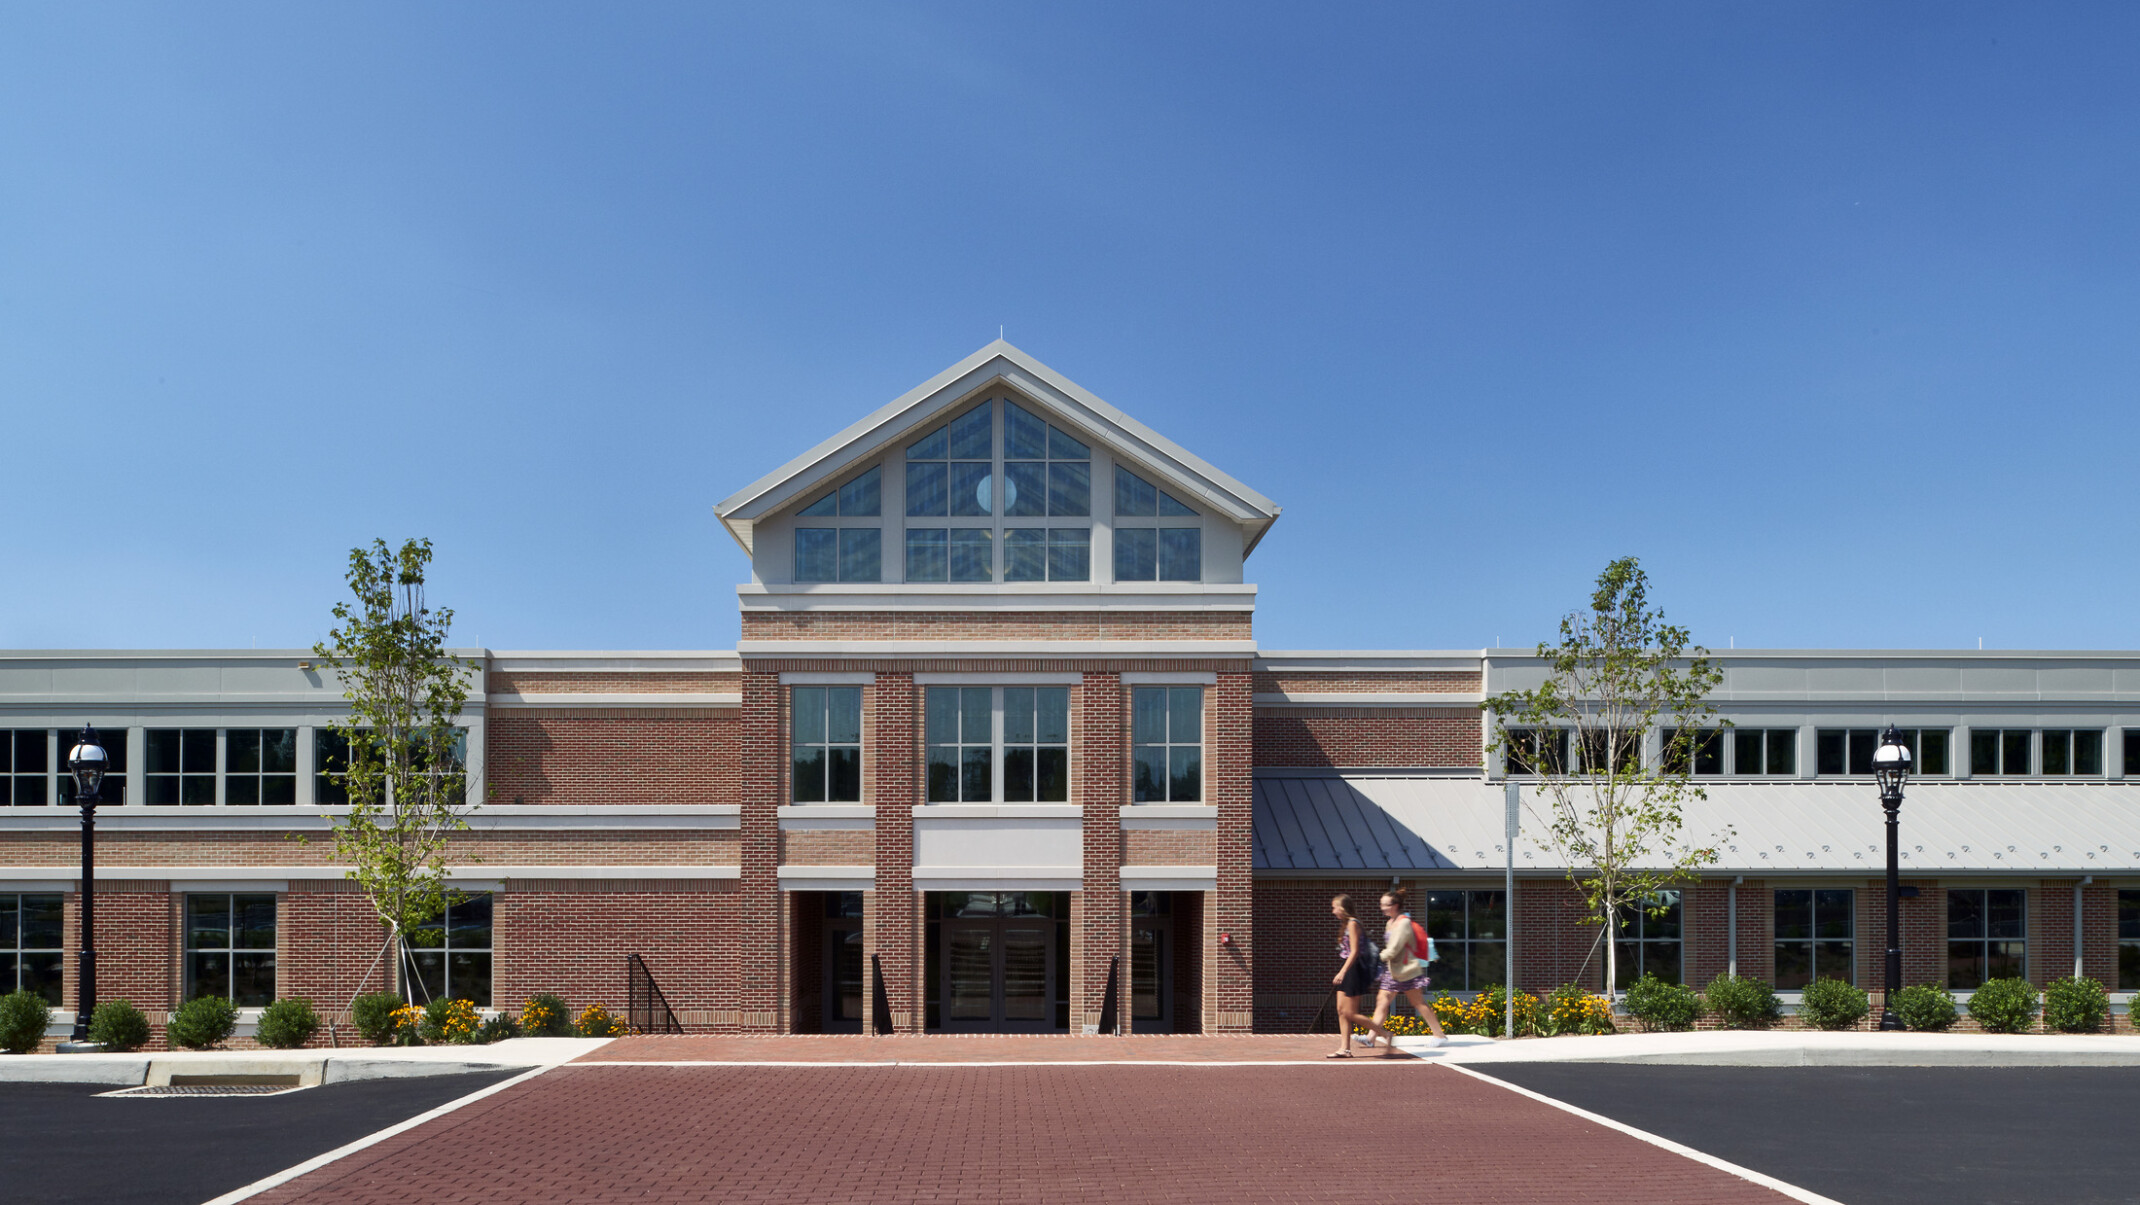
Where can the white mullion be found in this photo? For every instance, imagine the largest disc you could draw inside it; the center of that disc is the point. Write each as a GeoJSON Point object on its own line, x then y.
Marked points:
{"type": "Point", "coordinates": [995, 738]}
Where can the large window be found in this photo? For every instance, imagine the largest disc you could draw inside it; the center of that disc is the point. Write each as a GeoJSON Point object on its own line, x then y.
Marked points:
{"type": "Point", "coordinates": [957, 554]}
{"type": "Point", "coordinates": [1649, 940]}
{"type": "Point", "coordinates": [838, 554]}
{"type": "Point", "coordinates": [2077, 751]}
{"type": "Point", "coordinates": [2129, 941]}
{"type": "Point", "coordinates": [1850, 750]}
{"type": "Point", "coordinates": [1470, 932]}
{"type": "Point", "coordinates": [1698, 751]}
{"type": "Point", "coordinates": [1168, 551]}
{"type": "Point", "coordinates": [862, 497]}
{"type": "Point", "coordinates": [1047, 554]}
{"type": "Point", "coordinates": [1816, 936]}
{"type": "Point", "coordinates": [25, 766]}
{"type": "Point", "coordinates": [1987, 936]}
{"type": "Point", "coordinates": [2000, 751]}
{"type": "Point", "coordinates": [1045, 470]}
{"type": "Point", "coordinates": [827, 744]}
{"type": "Point", "coordinates": [950, 470]}
{"type": "Point", "coordinates": [1527, 750]}
{"type": "Point", "coordinates": [30, 954]}
{"type": "Point", "coordinates": [1764, 751]}
{"type": "Point", "coordinates": [2132, 752]}
{"type": "Point", "coordinates": [991, 744]}
{"type": "Point", "coordinates": [113, 742]}
{"type": "Point", "coordinates": [230, 947]}
{"type": "Point", "coordinates": [1167, 743]}
{"type": "Point", "coordinates": [181, 768]}
{"type": "Point", "coordinates": [451, 955]}
{"type": "Point", "coordinates": [262, 766]}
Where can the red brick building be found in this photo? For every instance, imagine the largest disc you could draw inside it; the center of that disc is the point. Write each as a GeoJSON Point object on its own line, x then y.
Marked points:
{"type": "Point", "coordinates": [998, 739]}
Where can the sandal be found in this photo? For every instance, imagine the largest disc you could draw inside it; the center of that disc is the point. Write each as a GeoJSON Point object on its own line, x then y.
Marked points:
{"type": "Point", "coordinates": [1343, 1054]}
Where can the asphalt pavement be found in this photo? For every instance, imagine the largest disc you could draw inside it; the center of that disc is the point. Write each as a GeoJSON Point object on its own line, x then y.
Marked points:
{"type": "Point", "coordinates": [1883, 1135]}
{"type": "Point", "coordinates": [63, 1143]}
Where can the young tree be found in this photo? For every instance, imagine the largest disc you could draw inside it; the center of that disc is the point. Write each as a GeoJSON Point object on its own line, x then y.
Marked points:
{"type": "Point", "coordinates": [1611, 815]}
{"type": "Point", "coordinates": [402, 762]}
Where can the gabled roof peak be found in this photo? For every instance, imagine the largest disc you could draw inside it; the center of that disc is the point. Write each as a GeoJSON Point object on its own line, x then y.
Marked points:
{"type": "Point", "coordinates": [1129, 440]}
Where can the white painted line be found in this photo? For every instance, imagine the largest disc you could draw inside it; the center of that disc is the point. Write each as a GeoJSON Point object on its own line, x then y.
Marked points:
{"type": "Point", "coordinates": [1404, 1062]}
{"type": "Point", "coordinates": [342, 1152]}
{"type": "Point", "coordinates": [1744, 1173]}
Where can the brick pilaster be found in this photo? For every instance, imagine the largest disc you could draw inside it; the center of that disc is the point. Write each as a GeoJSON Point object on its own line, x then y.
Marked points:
{"type": "Point", "coordinates": [891, 930]}
{"type": "Point", "coordinates": [761, 971]}
{"type": "Point", "coordinates": [1101, 740]}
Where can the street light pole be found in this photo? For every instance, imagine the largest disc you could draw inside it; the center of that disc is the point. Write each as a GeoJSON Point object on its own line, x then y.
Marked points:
{"type": "Point", "coordinates": [86, 762]}
{"type": "Point", "coordinates": [1891, 767]}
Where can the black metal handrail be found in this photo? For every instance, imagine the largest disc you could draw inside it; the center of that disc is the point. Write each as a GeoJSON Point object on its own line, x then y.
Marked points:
{"type": "Point", "coordinates": [646, 1010]}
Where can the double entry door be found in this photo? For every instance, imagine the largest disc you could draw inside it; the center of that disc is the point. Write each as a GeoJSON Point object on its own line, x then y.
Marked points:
{"type": "Point", "coordinates": [998, 975]}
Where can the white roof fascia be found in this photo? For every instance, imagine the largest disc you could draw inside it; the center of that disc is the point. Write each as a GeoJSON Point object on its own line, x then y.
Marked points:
{"type": "Point", "coordinates": [917, 406]}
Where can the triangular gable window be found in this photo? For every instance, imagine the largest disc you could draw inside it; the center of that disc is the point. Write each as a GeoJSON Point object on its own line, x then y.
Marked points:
{"type": "Point", "coordinates": [1137, 498]}
{"type": "Point", "coordinates": [861, 498]}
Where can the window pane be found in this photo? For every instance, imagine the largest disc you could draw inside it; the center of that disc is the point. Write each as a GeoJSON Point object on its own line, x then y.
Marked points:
{"type": "Point", "coordinates": [969, 434]}
{"type": "Point", "coordinates": [207, 921]}
{"type": "Point", "coordinates": [1025, 556]}
{"type": "Point", "coordinates": [1185, 774]}
{"type": "Point", "coordinates": [843, 706]}
{"type": "Point", "coordinates": [1965, 914]}
{"type": "Point", "coordinates": [928, 557]}
{"type": "Point", "coordinates": [1052, 714]}
{"type": "Point", "coordinates": [1747, 751]}
{"type": "Point", "coordinates": [1832, 960]}
{"type": "Point", "coordinates": [2058, 752]}
{"type": "Point", "coordinates": [2128, 916]}
{"type": "Point", "coordinates": [809, 780]}
{"type": "Point", "coordinates": [932, 446]}
{"type": "Point", "coordinates": [41, 975]}
{"type": "Point", "coordinates": [242, 754]}
{"type": "Point", "coordinates": [197, 790]}
{"type": "Point", "coordinates": [977, 707]}
{"type": "Point", "coordinates": [2128, 966]}
{"type": "Point", "coordinates": [1932, 757]}
{"type": "Point", "coordinates": [1794, 915]}
{"type": "Point", "coordinates": [1185, 714]}
{"type": "Point", "coordinates": [1709, 752]}
{"type": "Point", "coordinates": [2087, 753]}
{"type": "Point", "coordinates": [864, 495]}
{"type": "Point", "coordinates": [817, 554]}
{"type": "Point", "coordinates": [972, 491]}
{"type": "Point", "coordinates": [943, 722]}
{"type": "Point", "coordinates": [197, 750]}
{"type": "Point", "coordinates": [162, 750]}
{"type": "Point", "coordinates": [1828, 752]}
{"type": "Point", "coordinates": [927, 490]}
{"type": "Point", "coordinates": [30, 749]}
{"type": "Point", "coordinates": [1794, 964]}
{"type": "Point", "coordinates": [843, 774]}
{"type": "Point", "coordinates": [1489, 964]}
{"type": "Point", "coordinates": [1069, 488]}
{"type": "Point", "coordinates": [943, 774]}
{"type": "Point", "coordinates": [2014, 751]}
{"type": "Point", "coordinates": [239, 792]}
{"type": "Point", "coordinates": [1782, 751]}
{"type": "Point", "coordinates": [1018, 773]}
{"type": "Point", "coordinates": [1148, 715]}
{"type": "Point", "coordinates": [1134, 496]}
{"type": "Point", "coordinates": [1136, 555]}
{"type": "Point", "coordinates": [972, 555]}
{"type": "Point", "coordinates": [824, 508]}
{"type": "Point", "coordinates": [41, 920]}
{"type": "Point", "coordinates": [471, 977]}
{"type": "Point", "coordinates": [2004, 960]}
{"type": "Point", "coordinates": [468, 921]}
{"type": "Point", "coordinates": [860, 560]}
{"type": "Point", "coordinates": [1025, 489]}
{"type": "Point", "coordinates": [1665, 923]}
{"type": "Point", "coordinates": [1983, 752]}
{"type": "Point", "coordinates": [252, 980]}
{"type": "Point", "coordinates": [1024, 437]}
{"type": "Point", "coordinates": [1052, 776]}
{"type": "Point", "coordinates": [278, 751]}
{"type": "Point", "coordinates": [207, 974]}
{"type": "Point", "coordinates": [1444, 916]}
{"type": "Point", "coordinates": [252, 924]}
{"type": "Point", "coordinates": [1965, 964]}
{"type": "Point", "coordinates": [430, 968]}
{"type": "Point", "coordinates": [1835, 914]}
{"type": "Point", "coordinates": [1062, 447]}
{"type": "Point", "coordinates": [1148, 783]}
{"type": "Point", "coordinates": [1017, 715]}
{"type": "Point", "coordinates": [1489, 915]}
{"type": "Point", "coordinates": [2006, 913]}
{"type": "Point", "coordinates": [1169, 506]}
{"type": "Point", "coordinates": [1862, 743]}
{"type": "Point", "coordinates": [1181, 554]}
{"type": "Point", "coordinates": [1069, 554]}
{"type": "Point", "coordinates": [809, 715]}
{"type": "Point", "coordinates": [976, 783]}
{"type": "Point", "coordinates": [2130, 739]}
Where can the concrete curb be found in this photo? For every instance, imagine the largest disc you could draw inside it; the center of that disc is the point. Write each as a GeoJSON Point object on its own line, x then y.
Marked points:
{"type": "Point", "coordinates": [1795, 1048]}
{"type": "Point", "coordinates": [312, 1066]}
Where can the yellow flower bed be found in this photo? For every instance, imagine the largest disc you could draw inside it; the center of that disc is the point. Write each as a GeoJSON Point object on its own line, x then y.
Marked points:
{"type": "Point", "coordinates": [599, 1022]}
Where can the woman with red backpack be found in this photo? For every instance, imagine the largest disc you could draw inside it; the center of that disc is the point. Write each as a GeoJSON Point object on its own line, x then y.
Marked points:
{"type": "Point", "coordinates": [1355, 977]}
{"type": "Point", "coordinates": [1406, 951]}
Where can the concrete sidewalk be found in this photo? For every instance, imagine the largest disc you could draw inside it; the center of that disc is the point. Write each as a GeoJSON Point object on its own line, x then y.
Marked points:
{"type": "Point", "coordinates": [1794, 1048]}
{"type": "Point", "coordinates": [313, 1065]}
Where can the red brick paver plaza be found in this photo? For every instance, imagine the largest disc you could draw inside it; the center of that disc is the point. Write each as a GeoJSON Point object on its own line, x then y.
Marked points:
{"type": "Point", "coordinates": [974, 1048]}
{"type": "Point", "coordinates": [1159, 1132]}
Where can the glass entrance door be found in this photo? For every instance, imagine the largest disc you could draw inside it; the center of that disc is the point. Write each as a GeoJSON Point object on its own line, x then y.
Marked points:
{"type": "Point", "coordinates": [997, 961]}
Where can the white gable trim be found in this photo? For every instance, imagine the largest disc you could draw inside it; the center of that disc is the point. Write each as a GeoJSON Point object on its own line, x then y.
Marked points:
{"type": "Point", "coordinates": [1129, 440]}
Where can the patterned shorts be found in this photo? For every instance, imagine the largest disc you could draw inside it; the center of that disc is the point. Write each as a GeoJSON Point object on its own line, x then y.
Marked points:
{"type": "Point", "coordinates": [1388, 984]}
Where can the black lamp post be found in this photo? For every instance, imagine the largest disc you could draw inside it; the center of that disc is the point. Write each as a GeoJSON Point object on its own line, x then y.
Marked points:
{"type": "Point", "coordinates": [1891, 766]}
{"type": "Point", "coordinates": [86, 762]}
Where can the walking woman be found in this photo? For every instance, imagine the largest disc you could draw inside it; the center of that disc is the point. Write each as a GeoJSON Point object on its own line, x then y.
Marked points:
{"type": "Point", "coordinates": [1401, 952]}
{"type": "Point", "coordinates": [1354, 979]}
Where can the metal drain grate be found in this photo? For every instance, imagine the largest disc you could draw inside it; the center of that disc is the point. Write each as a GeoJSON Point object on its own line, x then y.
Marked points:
{"type": "Point", "coordinates": [207, 1090]}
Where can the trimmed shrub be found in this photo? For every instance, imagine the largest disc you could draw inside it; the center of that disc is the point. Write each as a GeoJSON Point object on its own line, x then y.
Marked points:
{"type": "Point", "coordinates": [1663, 1006]}
{"type": "Point", "coordinates": [497, 1029]}
{"type": "Point", "coordinates": [2075, 1006]}
{"type": "Point", "coordinates": [452, 1021]}
{"type": "Point", "coordinates": [373, 1015]}
{"type": "Point", "coordinates": [545, 1016]}
{"type": "Point", "coordinates": [2004, 1005]}
{"type": "Point", "coordinates": [203, 1022]}
{"type": "Point", "coordinates": [1834, 1004]}
{"type": "Point", "coordinates": [119, 1026]}
{"type": "Point", "coordinates": [1569, 1009]}
{"type": "Point", "coordinates": [599, 1022]}
{"type": "Point", "coordinates": [288, 1023]}
{"type": "Point", "coordinates": [1742, 1003]}
{"type": "Point", "coordinates": [1926, 1007]}
{"type": "Point", "coordinates": [23, 1018]}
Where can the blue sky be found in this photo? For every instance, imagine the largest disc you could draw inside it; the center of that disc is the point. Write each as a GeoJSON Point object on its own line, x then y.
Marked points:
{"type": "Point", "coordinates": [1825, 311]}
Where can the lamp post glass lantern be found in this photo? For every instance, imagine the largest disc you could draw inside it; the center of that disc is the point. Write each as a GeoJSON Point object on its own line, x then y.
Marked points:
{"type": "Point", "coordinates": [86, 762]}
{"type": "Point", "coordinates": [1891, 768]}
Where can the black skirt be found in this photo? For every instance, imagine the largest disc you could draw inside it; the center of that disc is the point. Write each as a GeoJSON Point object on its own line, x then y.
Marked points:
{"type": "Point", "coordinates": [1360, 980]}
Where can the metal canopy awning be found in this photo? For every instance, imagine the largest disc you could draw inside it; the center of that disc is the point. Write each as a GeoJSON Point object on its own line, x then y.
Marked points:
{"type": "Point", "coordinates": [1318, 824]}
